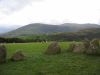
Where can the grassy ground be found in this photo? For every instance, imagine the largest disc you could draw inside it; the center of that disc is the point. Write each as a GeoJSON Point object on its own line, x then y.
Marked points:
{"type": "Point", "coordinates": [37, 63]}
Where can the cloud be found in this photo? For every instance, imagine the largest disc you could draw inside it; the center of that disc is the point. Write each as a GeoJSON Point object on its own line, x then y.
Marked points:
{"type": "Point", "coordinates": [9, 6]}
{"type": "Point", "coordinates": [50, 11]}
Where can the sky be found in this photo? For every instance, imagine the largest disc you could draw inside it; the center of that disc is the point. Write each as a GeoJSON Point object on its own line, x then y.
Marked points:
{"type": "Point", "coordinates": [22, 12]}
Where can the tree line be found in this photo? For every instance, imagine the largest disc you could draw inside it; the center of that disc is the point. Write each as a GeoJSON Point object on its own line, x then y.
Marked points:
{"type": "Point", "coordinates": [71, 36]}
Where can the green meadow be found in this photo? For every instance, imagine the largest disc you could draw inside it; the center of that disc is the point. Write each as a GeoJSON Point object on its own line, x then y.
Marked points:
{"type": "Point", "coordinates": [37, 63]}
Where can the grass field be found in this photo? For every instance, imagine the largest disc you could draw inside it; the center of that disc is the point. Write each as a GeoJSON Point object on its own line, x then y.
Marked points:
{"type": "Point", "coordinates": [37, 63]}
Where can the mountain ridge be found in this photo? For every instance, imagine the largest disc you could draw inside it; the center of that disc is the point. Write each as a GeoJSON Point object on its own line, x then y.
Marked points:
{"type": "Point", "coordinates": [40, 28]}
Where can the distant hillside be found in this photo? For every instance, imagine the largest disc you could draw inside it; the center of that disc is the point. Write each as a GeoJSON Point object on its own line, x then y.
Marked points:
{"type": "Point", "coordinates": [90, 33]}
{"type": "Point", "coordinates": [39, 28]}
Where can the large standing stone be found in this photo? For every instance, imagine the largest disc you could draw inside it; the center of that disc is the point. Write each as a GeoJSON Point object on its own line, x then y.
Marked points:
{"type": "Point", "coordinates": [94, 47]}
{"type": "Point", "coordinates": [95, 42]}
{"type": "Point", "coordinates": [53, 48]}
{"type": "Point", "coordinates": [88, 47]}
{"type": "Point", "coordinates": [18, 56]}
{"type": "Point", "coordinates": [3, 54]}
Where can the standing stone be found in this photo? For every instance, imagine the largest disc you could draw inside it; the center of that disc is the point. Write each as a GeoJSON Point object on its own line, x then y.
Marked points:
{"type": "Point", "coordinates": [95, 42]}
{"type": "Point", "coordinates": [94, 47]}
{"type": "Point", "coordinates": [3, 54]}
{"type": "Point", "coordinates": [53, 49]}
{"type": "Point", "coordinates": [79, 48]}
{"type": "Point", "coordinates": [71, 46]}
{"type": "Point", "coordinates": [86, 43]}
{"type": "Point", "coordinates": [18, 56]}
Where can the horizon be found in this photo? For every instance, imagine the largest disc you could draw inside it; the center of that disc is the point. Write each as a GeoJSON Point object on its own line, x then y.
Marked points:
{"type": "Point", "coordinates": [4, 29]}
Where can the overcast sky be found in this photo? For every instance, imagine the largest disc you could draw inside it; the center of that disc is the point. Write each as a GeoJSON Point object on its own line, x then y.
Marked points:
{"type": "Point", "coordinates": [22, 12]}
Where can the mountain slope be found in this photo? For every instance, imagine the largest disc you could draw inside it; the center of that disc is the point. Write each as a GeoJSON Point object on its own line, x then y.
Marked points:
{"type": "Point", "coordinates": [39, 28]}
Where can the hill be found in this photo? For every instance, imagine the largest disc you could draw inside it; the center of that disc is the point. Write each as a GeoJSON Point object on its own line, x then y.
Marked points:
{"type": "Point", "coordinates": [39, 28]}
{"type": "Point", "coordinates": [90, 33]}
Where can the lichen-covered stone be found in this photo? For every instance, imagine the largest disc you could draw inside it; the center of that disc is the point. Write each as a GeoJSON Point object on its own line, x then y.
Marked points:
{"type": "Point", "coordinates": [79, 48]}
{"type": "Point", "coordinates": [3, 54]}
{"type": "Point", "coordinates": [18, 56]}
{"type": "Point", "coordinates": [94, 47]}
{"type": "Point", "coordinates": [71, 46]}
{"type": "Point", "coordinates": [53, 48]}
{"type": "Point", "coordinates": [86, 43]}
